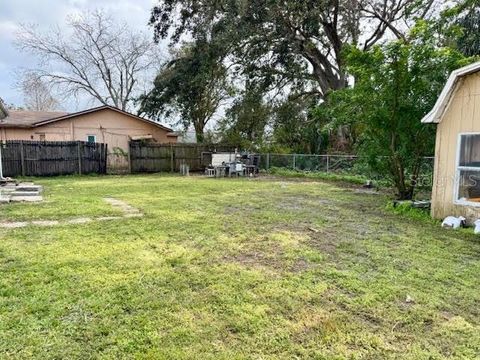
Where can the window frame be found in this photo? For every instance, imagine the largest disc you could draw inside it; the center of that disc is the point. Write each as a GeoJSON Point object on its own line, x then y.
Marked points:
{"type": "Point", "coordinates": [94, 139]}
{"type": "Point", "coordinates": [459, 169]}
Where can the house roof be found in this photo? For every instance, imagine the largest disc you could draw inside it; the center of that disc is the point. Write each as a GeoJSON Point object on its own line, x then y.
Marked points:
{"type": "Point", "coordinates": [26, 118]}
{"type": "Point", "coordinates": [32, 119]}
{"type": "Point", "coordinates": [436, 114]}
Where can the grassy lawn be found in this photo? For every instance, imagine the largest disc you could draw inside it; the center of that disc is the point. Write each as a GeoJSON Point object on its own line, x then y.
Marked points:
{"type": "Point", "coordinates": [230, 269]}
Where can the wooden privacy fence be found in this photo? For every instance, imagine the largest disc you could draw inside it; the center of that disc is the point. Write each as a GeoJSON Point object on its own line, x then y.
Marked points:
{"type": "Point", "coordinates": [47, 158]}
{"type": "Point", "coordinates": [169, 157]}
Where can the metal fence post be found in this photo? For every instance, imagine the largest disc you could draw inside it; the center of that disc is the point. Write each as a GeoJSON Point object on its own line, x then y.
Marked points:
{"type": "Point", "coordinates": [294, 161]}
{"type": "Point", "coordinates": [268, 161]}
{"type": "Point", "coordinates": [328, 162]}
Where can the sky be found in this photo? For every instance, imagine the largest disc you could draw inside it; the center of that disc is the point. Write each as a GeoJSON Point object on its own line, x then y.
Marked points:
{"type": "Point", "coordinates": [47, 13]}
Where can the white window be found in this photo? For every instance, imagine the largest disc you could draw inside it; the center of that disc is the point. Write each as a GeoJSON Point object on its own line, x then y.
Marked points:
{"type": "Point", "coordinates": [91, 138]}
{"type": "Point", "coordinates": [467, 179]}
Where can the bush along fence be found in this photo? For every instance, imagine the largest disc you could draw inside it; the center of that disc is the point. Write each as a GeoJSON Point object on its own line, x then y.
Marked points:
{"type": "Point", "coordinates": [41, 158]}
{"type": "Point", "coordinates": [346, 164]}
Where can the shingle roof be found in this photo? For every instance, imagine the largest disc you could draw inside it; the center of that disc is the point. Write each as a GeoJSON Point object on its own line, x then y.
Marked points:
{"type": "Point", "coordinates": [24, 118]}
{"type": "Point", "coordinates": [28, 119]}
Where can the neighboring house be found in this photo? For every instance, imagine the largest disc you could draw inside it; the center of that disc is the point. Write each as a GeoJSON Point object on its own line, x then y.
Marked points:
{"type": "Point", "coordinates": [104, 124]}
{"type": "Point", "coordinates": [456, 181]}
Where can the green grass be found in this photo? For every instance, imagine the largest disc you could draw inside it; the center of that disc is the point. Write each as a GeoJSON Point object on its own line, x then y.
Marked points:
{"type": "Point", "coordinates": [64, 197]}
{"type": "Point", "coordinates": [320, 175]}
{"type": "Point", "coordinates": [231, 269]}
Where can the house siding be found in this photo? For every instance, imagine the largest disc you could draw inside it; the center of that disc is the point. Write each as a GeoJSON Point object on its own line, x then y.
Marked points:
{"type": "Point", "coordinates": [461, 116]}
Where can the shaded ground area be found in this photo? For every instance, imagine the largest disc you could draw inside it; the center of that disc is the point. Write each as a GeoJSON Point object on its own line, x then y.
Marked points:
{"type": "Point", "coordinates": [233, 269]}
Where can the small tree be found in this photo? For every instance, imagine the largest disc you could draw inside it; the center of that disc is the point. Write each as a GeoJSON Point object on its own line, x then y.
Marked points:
{"type": "Point", "coordinates": [395, 86]}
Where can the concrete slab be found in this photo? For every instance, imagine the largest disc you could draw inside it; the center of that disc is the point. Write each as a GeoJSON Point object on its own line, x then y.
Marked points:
{"type": "Point", "coordinates": [4, 198]}
{"type": "Point", "coordinates": [108, 218]}
{"type": "Point", "coordinates": [45, 222]}
{"type": "Point", "coordinates": [29, 192]}
{"type": "Point", "coordinates": [13, 225]}
{"type": "Point", "coordinates": [128, 212]}
{"type": "Point", "coordinates": [25, 193]}
{"type": "Point", "coordinates": [5, 189]}
{"type": "Point", "coordinates": [29, 188]}
{"type": "Point", "coordinates": [79, 220]}
{"type": "Point", "coordinates": [27, 198]}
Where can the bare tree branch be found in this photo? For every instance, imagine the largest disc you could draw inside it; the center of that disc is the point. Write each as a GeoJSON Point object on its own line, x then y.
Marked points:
{"type": "Point", "coordinates": [100, 58]}
{"type": "Point", "coordinates": [36, 93]}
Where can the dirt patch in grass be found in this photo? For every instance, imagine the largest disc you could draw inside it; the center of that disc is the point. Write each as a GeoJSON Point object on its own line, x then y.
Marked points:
{"type": "Point", "coordinates": [274, 264]}
{"type": "Point", "coordinates": [301, 265]}
{"type": "Point", "coordinates": [254, 260]}
{"type": "Point", "coordinates": [280, 253]}
{"type": "Point", "coordinates": [325, 240]}
{"type": "Point", "coordinates": [301, 202]}
{"type": "Point", "coordinates": [240, 210]}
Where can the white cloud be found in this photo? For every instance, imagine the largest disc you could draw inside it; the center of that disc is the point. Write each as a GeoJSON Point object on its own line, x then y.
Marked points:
{"type": "Point", "coordinates": [7, 30]}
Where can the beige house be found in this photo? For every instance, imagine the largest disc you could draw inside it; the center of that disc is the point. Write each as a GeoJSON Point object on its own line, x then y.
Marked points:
{"type": "Point", "coordinates": [104, 124]}
{"type": "Point", "coordinates": [456, 181]}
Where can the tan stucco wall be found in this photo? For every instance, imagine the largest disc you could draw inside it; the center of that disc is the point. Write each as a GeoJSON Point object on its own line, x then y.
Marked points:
{"type": "Point", "coordinates": [109, 127]}
{"type": "Point", "coordinates": [462, 116]}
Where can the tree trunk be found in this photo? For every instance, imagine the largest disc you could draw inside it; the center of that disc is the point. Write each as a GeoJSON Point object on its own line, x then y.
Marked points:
{"type": "Point", "coordinates": [199, 131]}
{"type": "Point", "coordinates": [405, 190]}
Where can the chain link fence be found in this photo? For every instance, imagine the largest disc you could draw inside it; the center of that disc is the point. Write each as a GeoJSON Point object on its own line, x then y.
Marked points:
{"type": "Point", "coordinates": [305, 162]}
{"type": "Point", "coordinates": [347, 164]}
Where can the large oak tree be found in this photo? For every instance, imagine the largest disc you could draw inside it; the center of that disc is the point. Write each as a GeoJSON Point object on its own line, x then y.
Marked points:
{"type": "Point", "coordinates": [295, 45]}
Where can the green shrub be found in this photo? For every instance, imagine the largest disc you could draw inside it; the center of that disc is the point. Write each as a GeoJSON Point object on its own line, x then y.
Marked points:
{"type": "Point", "coordinates": [406, 209]}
